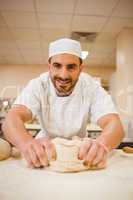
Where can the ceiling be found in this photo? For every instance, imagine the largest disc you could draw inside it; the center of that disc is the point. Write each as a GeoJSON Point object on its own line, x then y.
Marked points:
{"type": "Point", "coordinates": [27, 27]}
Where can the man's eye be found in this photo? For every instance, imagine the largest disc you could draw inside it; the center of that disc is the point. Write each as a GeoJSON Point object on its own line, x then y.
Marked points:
{"type": "Point", "coordinates": [71, 67]}
{"type": "Point", "coordinates": [57, 66]}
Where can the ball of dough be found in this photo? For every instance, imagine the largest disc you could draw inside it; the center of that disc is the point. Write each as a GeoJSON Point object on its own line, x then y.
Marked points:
{"type": "Point", "coordinates": [5, 149]}
{"type": "Point", "coordinates": [67, 156]}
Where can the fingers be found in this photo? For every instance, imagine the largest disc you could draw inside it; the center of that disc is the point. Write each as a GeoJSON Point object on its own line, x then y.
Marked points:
{"type": "Point", "coordinates": [33, 158]}
{"type": "Point", "coordinates": [102, 164]}
{"type": "Point", "coordinates": [35, 153]}
{"type": "Point", "coordinates": [41, 155]}
{"type": "Point", "coordinates": [28, 159]}
{"type": "Point", "coordinates": [49, 148]}
{"type": "Point", "coordinates": [99, 156]}
{"type": "Point", "coordinates": [84, 149]}
{"type": "Point", "coordinates": [93, 154]}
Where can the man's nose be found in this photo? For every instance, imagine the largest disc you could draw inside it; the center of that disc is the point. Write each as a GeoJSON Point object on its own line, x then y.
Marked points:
{"type": "Point", "coordinates": [64, 73]}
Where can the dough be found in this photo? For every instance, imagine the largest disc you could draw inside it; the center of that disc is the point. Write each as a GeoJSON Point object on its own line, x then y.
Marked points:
{"type": "Point", "coordinates": [15, 153]}
{"type": "Point", "coordinates": [67, 156]}
{"type": "Point", "coordinates": [5, 149]}
{"type": "Point", "coordinates": [128, 149]}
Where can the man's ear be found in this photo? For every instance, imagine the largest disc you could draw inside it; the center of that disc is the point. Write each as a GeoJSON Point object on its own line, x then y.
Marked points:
{"type": "Point", "coordinates": [48, 65]}
{"type": "Point", "coordinates": [82, 67]}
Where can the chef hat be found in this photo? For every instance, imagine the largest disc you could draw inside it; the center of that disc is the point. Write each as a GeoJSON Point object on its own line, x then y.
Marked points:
{"type": "Point", "coordinates": [65, 45]}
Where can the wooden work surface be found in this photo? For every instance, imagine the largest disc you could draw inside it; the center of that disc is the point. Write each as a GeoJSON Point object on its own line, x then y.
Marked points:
{"type": "Point", "coordinates": [17, 182]}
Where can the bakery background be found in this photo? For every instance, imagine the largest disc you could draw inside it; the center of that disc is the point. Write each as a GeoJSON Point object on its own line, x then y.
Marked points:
{"type": "Point", "coordinates": [104, 28]}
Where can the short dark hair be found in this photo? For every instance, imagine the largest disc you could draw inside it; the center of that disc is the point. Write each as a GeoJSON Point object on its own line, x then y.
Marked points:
{"type": "Point", "coordinates": [80, 61]}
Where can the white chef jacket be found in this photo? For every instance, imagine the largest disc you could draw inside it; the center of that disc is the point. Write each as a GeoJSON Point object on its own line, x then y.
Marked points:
{"type": "Point", "coordinates": [66, 116]}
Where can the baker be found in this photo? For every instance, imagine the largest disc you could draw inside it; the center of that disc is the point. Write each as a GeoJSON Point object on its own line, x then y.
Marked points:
{"type": "Point", "coordinates": [63, 99]}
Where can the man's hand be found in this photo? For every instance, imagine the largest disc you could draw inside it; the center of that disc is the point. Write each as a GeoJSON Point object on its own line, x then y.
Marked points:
{"type": "Point", "coordinates": [38, 152]}
{"type": "Point", "coordinates": [93, 153]}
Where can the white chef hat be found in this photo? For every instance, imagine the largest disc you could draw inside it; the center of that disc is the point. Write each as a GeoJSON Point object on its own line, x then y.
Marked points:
{"type": "Point", "coordinates": [65, 45]}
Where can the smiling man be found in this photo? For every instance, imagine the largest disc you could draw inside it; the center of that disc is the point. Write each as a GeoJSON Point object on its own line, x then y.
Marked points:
{"type": "Point", "coordinates": [64, 99]}
{"type": "Point", "coordinates": [64, 74]}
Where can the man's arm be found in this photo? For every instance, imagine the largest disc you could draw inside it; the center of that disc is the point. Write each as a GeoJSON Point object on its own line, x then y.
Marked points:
{"type": "Point", "coordinates": [35, 151]}
{"type": "Point", "coordinates": [95, 151]}
{"type": "Point", "coordinates": [112, 130]}
{"type": "Point", "coordinates": [13, 126]}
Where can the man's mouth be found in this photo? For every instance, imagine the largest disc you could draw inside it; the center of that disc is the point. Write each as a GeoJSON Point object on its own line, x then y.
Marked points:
{"type": "Point", "coordinates": [63, 87]}
{"type": "Point", "coordinates": [63, 82]}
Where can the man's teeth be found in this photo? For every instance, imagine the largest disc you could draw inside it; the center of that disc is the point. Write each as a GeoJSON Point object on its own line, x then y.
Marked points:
{"type": "Point", "coordinates": [64, 82]}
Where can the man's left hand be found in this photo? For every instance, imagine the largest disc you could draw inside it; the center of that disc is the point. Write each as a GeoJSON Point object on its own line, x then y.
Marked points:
{"type": "Point", "coordinates": [93, 153]}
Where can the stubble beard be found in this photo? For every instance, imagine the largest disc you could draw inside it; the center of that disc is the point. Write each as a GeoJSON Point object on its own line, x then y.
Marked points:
{"type": "Point", "coordinates": [62, 88]}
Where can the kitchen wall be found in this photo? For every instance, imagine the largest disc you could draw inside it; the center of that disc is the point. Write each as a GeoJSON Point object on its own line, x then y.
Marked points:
{"type": "Point", "coordinates": [14, 77]}
{"type": "Point", "coordinates": [121, 83]}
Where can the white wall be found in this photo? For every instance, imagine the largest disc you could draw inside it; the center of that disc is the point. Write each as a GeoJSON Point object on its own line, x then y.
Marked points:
{"type": "Point", "coordinates": [121, 84]}
{"type": "Point", "coordinates": [15, 77]}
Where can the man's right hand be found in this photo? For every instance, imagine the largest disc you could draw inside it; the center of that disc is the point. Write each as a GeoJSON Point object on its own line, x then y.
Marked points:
{"type": "Point", "coordinates": [38, 152]}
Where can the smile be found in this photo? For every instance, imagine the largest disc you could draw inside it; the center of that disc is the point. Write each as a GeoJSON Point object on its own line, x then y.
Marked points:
{"type": "Point", "coordinates": [63, 82]}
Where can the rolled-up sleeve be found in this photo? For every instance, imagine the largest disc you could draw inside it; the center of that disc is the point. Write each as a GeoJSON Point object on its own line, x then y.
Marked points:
{"type": "Point", "coordinates": [101, 105]}
{"type": "Point", "coordinates": [29, 97]}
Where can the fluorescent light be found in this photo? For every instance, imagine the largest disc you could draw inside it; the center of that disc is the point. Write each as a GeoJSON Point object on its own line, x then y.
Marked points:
{"type": "Point", "coordinates": [84, 54]}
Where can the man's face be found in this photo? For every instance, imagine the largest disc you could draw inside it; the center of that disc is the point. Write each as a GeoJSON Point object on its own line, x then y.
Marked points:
{"type": "Point", "coordinates": [64, 72]}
